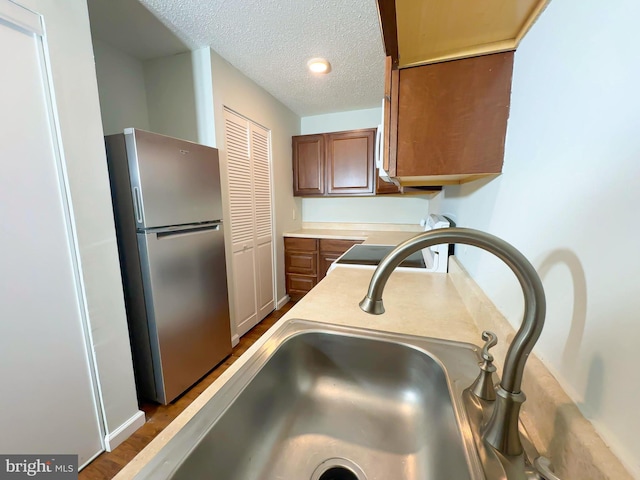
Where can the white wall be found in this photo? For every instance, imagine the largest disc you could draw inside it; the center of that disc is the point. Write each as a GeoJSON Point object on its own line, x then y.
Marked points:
{"type": "Point", "coordinates": [381, 209]}
{"type": "Point", "coordinates": [74, 77]}
{"type": "Point", "coordinates": [568, 198]}
{"type": "Point", "coordinates": [234, 90]}
{"type": "Point", "coordinates": [336, 122]}
{"type": "Point", "coordinates": [121, 87]}
{"type": "Point", "coordinates": [170, 96]}
{"type": "Point", "coordinates": [155, 95]}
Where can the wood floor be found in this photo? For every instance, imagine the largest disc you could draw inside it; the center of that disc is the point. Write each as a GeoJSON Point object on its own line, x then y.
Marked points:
{"type": "Point", "coordinates": [159, 416]}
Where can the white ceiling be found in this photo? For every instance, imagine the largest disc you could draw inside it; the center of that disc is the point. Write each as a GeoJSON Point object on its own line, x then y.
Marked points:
{"type": "Point", "coordinates": [270, 41]}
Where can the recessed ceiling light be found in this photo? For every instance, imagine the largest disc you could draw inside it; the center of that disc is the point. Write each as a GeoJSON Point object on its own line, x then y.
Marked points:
{"type": "Point", "coordinates": [319, 65]}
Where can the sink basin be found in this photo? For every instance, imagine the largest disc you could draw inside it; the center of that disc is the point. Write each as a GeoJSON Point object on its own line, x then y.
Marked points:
{"type": "Point", "coordinates": [322, 402]}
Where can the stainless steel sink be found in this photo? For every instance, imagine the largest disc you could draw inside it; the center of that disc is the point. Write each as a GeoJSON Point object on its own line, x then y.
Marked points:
{"type": "Point", "coordinates": [324, 402]}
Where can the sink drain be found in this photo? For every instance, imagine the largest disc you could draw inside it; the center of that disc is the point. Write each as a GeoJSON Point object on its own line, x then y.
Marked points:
{"type": "Point", "coordinates": [338, 473]}
{"type": "Point", "coordinates": [338, 469]}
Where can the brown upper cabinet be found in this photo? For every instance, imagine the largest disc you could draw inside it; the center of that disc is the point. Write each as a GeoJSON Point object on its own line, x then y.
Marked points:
{"type": "Point", "coordinates": [446, 122]}
{"type": "Point", "coordinates": [308, 165]}
{"type": "Point", "coordinates": [338, 163]}
{"type": "Point", "coordinates": [448, 86]}
{"type": "Point", "coordinates": [418, 32]}
{"type": "Point", "coordinates": [383, 187]}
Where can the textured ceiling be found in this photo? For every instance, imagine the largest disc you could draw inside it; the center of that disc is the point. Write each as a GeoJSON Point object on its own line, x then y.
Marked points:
{"type": "Point", "coordinates": [270, 41]}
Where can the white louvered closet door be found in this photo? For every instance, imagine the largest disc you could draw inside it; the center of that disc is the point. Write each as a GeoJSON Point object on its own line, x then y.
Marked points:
{"type": "Point", "coordinates": [249, 178]}
{"type": "Point", "coordinates": [261, 176]}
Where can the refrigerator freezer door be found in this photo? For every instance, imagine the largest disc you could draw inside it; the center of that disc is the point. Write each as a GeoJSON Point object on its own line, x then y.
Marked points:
{"type": "Point", "coordinates": [185, 289]}
{"type": "Point", "coordinates": [174, 182]}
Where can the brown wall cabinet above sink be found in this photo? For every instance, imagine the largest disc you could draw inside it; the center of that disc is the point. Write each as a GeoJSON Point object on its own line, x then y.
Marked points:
{"type": "Point", "coordinates": [448, 85]}
{"type": "Point", "coordinates": [446, 123]}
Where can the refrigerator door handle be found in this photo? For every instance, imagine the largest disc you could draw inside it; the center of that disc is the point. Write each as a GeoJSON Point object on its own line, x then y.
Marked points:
{"type": "Point", "coordinates": [137, 204]}
{"type": "Point", "coordinates": [173, 233]}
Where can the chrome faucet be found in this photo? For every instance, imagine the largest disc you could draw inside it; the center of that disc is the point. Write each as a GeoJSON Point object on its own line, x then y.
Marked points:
{"type": "Point", "coordinates": [501, 431]}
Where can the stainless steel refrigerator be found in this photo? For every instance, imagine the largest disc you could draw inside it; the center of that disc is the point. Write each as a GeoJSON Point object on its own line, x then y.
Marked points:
{"type": "Point", "coordinates": [168, 212]}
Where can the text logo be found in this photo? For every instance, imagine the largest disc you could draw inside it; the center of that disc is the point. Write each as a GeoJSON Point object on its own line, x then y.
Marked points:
{"type": "Point", "coordinates": [49, 467]}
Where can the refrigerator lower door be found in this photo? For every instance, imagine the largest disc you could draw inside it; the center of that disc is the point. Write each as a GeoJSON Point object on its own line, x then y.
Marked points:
{"type": "Point", "coordinates": [185, 290]}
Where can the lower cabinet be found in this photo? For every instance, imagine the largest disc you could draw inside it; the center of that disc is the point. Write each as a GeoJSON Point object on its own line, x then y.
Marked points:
{"type": "Point", "coordinates": [330, 251]}
{"type": "Point", "coordinates": [307, 261]}
{"type": "Point", "coordinates": [300, 265]}
{"type": "Point", "coordinates": [447, 121]}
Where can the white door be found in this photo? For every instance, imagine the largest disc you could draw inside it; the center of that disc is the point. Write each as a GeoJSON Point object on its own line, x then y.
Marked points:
{"type": "Point", "coordinates": [249, 177]}
{"type": "Point", "coordinates": [48, 396]}
{"type": "Point", "coordinates": [263, 235]}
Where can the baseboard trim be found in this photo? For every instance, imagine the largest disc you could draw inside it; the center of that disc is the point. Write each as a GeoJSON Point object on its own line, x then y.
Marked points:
{"type": "Point", "coordinates": [124, 431]}
{"type": "Point", "coordinates": [235, 340]}
{"type": "Point", "coordinates": [283, 301]}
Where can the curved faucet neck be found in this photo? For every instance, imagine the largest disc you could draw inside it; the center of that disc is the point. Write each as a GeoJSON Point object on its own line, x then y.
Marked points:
{"type": "Point", "coordinates": [534, 298]}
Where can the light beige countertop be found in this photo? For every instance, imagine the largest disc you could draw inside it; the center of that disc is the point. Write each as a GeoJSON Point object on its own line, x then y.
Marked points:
{"type": "Point", "coordinates": [442, 306]}
{"type": "Point", "coordinates": [416, 303]}
{"type": "Point", "coordinates": [371, 233]}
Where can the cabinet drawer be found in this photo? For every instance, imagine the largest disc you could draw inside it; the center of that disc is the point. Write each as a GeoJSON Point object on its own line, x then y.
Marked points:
{"type": "Point", "coordinates": [300, 284]}
{"type": "Point", "coordinates": [301, 244]}
{"type": "Point", "coordinates": [337, 246]}
{"type": "Point", "coordinates": [326, 259]}
{"type": "Point", "coordinates": [301, 262]}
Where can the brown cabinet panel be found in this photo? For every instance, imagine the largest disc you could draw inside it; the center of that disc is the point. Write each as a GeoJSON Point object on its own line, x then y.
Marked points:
{"type": "Point", "coordinates": [338, 246]}
{"type": "Point", "coordinates": [337, 163]}
{"type": "Point", "coordinates": [452, 116]}
{"type": "Point", "coordinates": [387, 12]}
{"type": "Point", "coordinates": [390, 116]}
{"type": "Point", "coordinates": [330, 250]}
{"type": "Point", "coordinates": [308, 259]}
{"type": "Point", "coordinates": [383, 187]}
{"type": "Point", "coordinates": [301, 244]}
{"type": "Point", "coordinates": [446, 122]}
{"type": "Point", "coordinates": [300, 265]}
{"type": "Point", "coordinates": [301, 262]}
{"type": "Point", "coordinates": [308, 164]}
{"type": "Point", "coordinates": [326, 259]}
{"type": "Point", "coordinates": [350, 162]}
{"type": "Point", "coordinates": [299, 285]}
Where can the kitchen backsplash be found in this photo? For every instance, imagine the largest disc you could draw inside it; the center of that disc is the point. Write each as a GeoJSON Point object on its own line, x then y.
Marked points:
{"type": "Point", "coordinates": [403, 210]}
